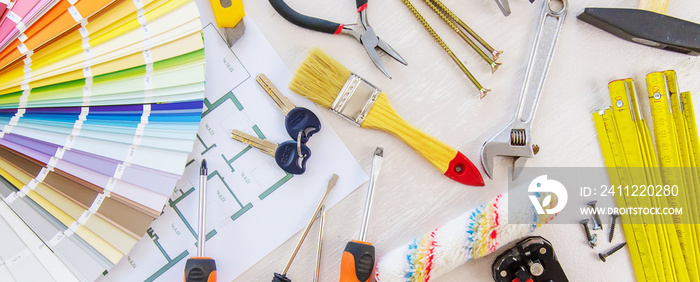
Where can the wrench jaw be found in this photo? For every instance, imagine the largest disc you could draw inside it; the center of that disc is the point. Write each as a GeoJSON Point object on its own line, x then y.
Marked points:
{"type": "Point", "coordinates": [501, 144]}
{"type": "Point", "coordinates": [518, 166]}
{"type": "Point", "coordinates": [498, 145]}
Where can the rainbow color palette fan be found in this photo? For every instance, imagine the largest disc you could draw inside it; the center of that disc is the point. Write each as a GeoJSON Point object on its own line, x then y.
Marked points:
{"type": "Point", "coordinates": [100, 102]}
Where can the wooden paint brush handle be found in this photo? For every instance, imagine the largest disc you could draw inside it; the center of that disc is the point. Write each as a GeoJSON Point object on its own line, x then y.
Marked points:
{"type": "Point", "coordinates": [657, 6]}
{"type": "Point", "coordinates": [445, 158]}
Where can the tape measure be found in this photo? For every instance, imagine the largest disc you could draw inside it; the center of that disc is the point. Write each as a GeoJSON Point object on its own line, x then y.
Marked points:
{"type": "Point", "coordinates": [667, 148]}
{"type": "Point", "coordinates": [689, 113]}
{"type": "Point", "coordinates": [661, 252]}
{"type": "Point", "coordinates": [689, 174]}
{"type": "Point", "coordinates": [635, 234]}
{"type": "Point", "coordinates": [681, 139]}
{"type": "Point", "coordinates": [694, 148]}
{"type": "Point", "coordinates": [667, 232]}
{"type": "Point", "coordinates": [624, 115]}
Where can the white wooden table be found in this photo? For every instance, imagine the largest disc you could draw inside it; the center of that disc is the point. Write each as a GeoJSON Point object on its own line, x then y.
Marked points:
{"type": "Point", "coordinates": [432, 93]}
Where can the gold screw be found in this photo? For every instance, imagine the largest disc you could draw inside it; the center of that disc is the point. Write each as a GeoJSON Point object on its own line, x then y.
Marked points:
{"type": "Point", "coordinates": [494, 65]}
{"type": "Point", "coordinates": [483, 91]}
{"type": "Point", "coordinates": [495, 53]}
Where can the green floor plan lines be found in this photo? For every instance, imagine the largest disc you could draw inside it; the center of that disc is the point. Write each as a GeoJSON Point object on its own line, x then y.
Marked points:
{"type": "Point", "coordinates": [167, 267]}
{"type": "Point", "coordinates": [173, 204]}
{"type": "Point", "coordinates": [275, 186]}
{"type": "Point", "coordinates": [230, 161]}
{"type": "Point", "coordinates": [206, 148]}
{"type": "Point", "coordinates": [259, 132]}
{"type": "Point", "coordinates": [243, 208]}
{"type": "Point", "coordinates": [153, 236]}
{"type": "Point", "coordinates": [227, 97]}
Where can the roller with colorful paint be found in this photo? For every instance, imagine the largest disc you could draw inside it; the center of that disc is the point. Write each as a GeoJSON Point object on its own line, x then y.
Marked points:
{"type": "Point", "coordinates": [472, 235]}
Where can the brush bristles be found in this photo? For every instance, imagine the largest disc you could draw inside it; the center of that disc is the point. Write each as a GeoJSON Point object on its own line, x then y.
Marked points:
{"type": "Point", "coordinates": [319, 78]}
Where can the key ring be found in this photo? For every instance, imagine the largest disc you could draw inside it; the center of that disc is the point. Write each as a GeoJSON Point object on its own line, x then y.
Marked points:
{"type": "Point", "coordinates": [301, 133]}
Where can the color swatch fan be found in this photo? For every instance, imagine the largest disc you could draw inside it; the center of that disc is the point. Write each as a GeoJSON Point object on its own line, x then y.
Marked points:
{"type": "Point", "coordinates": [100, 102]}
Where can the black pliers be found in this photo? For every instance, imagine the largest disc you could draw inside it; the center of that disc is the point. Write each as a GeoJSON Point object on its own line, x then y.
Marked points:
{"type": "Point", "coordinates": [361, 30]}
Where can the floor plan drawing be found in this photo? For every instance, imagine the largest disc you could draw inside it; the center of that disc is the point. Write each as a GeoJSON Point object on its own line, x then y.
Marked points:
{"type": "Point", "coordinates": [247, 193]}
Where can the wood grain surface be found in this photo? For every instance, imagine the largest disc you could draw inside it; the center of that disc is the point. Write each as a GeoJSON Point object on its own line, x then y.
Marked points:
{"type": "Point", "coordinates": [432, 93]}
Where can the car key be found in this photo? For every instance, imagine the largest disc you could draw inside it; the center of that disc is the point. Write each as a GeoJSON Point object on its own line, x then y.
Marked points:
{"type": "Point", "coordinates": [291, 156]}
{"type": "Point", "coordinates": [300, 122]}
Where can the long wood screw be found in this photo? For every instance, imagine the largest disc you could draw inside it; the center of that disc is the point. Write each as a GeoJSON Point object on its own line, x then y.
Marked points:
{"type": "Point", "coordinates": [495, 53]}
{"type": "Point", "coordinates": [482, 90]}
{"type": "Point", "coordinates": [603, 256]}
{"type": "Point", "coordinates": [443, 15]}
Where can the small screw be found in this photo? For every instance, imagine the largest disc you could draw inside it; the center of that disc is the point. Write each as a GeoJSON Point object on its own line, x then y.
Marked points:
{"type": "Point", "coordinates": [596, 216]}
{"type": "Point", "coordinates": [603, 256]}
{"type": "Point", "coordinates": [612, 226]}
{"type": "Point", "coordinates": [504, 273]}
{"type": "Point", "coordinates": [592, 240]}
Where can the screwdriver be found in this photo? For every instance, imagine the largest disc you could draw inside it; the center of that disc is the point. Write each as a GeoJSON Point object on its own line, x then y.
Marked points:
{"type": "Point", "coordinates": [201, 268]}
{"type": "Point", "coordinates": [358, 258]}
{"type": "Point", "coordinates": [319, 248]}
{"type": "Point", "coordinates": [282, 277]}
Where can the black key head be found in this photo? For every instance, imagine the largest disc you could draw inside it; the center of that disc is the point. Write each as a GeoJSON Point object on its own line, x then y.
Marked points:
{"type": "Point", "coordinates": [302, 119]}
{"type": "Point", "coordinates": [288, 158]}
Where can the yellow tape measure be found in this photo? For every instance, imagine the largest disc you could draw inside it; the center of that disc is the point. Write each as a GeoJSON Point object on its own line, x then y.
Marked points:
{"type": "Point", "coordinates": [689, 113]}
{"type": "Point", "coordinates": [667, 147]}
{"type": "Point", "coordinates": [659, 252]}
{"type": "Point", "coordinates": [694, 148]}
{"type": "Point", "coordinates": [614, 156]}
{"type": "Point", "coordinates": [624, 120]}
{"type": "Point", "coordinates": [667, 237]}
{"type": "Point", "coordinates": [685, 153]}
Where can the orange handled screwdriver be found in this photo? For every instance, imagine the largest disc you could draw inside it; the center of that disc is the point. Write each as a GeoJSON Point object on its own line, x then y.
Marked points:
{"type": "Point", "coordinates": [201, 268]}
{"type": "Point", "coordinates": [358, 257]}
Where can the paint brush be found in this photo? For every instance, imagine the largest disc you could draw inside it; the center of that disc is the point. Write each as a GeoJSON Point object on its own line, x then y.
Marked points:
{"type": "Point", "coordinates": [326, 82]}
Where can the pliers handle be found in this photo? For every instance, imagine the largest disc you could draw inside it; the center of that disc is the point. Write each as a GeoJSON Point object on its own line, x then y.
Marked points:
{"type": "Point", "coordinates": [311, 23]}
{"type": "Point", "coordinates": [361, 30]}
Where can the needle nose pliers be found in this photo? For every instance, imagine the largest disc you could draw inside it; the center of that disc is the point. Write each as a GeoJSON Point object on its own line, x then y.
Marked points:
{"type": "Point", "coordinates": [361, 30]}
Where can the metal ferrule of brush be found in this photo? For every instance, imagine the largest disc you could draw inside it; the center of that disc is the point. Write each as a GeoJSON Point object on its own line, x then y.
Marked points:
{"type": "Point", "coordinates": [355, 99]}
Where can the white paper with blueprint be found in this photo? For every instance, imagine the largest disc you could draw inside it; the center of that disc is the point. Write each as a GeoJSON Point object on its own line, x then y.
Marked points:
{"type": "Point", "coordinates": [252, 205]}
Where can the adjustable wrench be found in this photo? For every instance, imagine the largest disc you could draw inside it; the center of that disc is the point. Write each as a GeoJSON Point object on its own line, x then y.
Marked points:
{"type": "Point", "coordinates": [514, 139]}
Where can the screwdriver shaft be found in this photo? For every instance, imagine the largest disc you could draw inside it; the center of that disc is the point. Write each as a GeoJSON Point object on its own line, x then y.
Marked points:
{"type": "Point", "coordinates": [319, 248]}
{"type": "Point", "coordinates": [331, 184]}
{"type": "Point", "coordinates": [202, 208]}
{"type": "Point", "coordinates": [376, 166]}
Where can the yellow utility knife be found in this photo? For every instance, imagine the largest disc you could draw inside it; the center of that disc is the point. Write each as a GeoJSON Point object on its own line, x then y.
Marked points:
{"type": "Point", "coordinates": [229, 16]}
